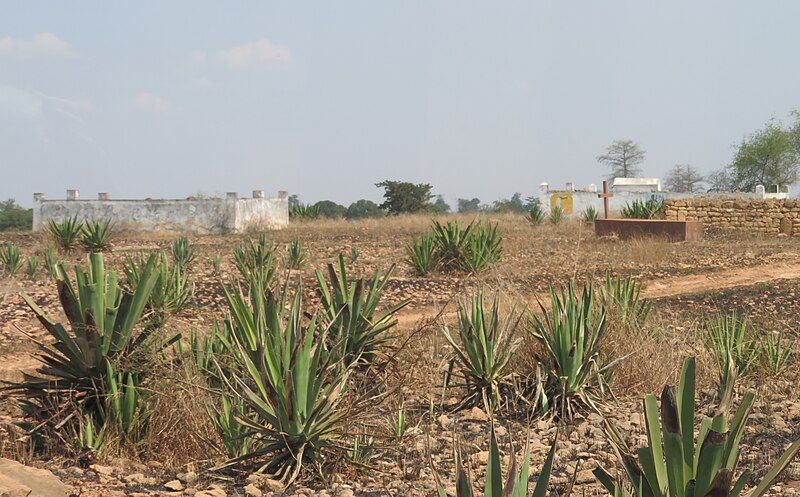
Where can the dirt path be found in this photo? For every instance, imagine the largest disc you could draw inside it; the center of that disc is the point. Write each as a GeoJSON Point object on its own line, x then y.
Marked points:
{"type": "Point", "coordinates": [718, 280]}
{"type": "Point", "coordinates": [672, 286]}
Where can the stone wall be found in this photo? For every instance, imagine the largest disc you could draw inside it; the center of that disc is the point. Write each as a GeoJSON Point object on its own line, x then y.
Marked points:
{"type": "Point", "coordinates": [199, 216]}
{"type": "Point", "coordinates": [757, 215]}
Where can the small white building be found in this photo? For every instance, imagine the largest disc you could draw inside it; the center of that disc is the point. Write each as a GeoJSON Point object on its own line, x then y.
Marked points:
{"type": "Point", "coordinates": [636, 185]}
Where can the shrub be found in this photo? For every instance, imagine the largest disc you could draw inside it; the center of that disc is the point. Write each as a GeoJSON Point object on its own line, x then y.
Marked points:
{"type": "Point", "coordinates": [422, 254]}
{"type": "Point", "coordinates": [65, 234]}
{"type": "Point", "coordinates": [535, 213]}
{"type": "Point", "coordinates": [96, 235]}
{"type": "Point", "coordinates": [571, 332]}
{"type": "Point", "coordinates": [350, 312]}
{"type": "Point", "coordinates": [216, 264]}
{"type": "Point", "coordinates": [330, 209]}
{"type": "Point", "coordinates": [729, 337]}
{"type": "Point", "coordinates": [516, 482]}
{"type": "Point", "coordinates": [291, 386]}
{"type": "Point", "coordinates": [362, 209]}
{"type": "Point", "coordinates": [486, 343]}
{"type": "Point", "coordinates": [256, 260]}
{"type": "Point", "coordinates": [183, 253]}
{"type": "Point", "coordinates": [556, 215]}
{"type": "Point", "coordinates": [590, 214]}
{"type": "Point", "coordinates": [638, 209]}
{"type": "Point", "coordinates": [10, 259]}
{"type": "Point", "coordinates": [91, 375]}
{"type": "Point", "coordinates": [296, 256]}
{"type": "Point", "coordinates": [674, 464]}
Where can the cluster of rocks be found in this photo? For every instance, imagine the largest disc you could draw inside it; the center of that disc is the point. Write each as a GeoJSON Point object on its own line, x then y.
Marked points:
{"type": "Point", "coordinates": [774, 216]}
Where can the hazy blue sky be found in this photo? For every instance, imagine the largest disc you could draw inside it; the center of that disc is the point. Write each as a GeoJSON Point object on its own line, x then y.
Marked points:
{"type": "Point", "coordinates": [480, 99]}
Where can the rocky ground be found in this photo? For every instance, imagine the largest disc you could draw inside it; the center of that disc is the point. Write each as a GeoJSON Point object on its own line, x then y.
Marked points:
{"type": "Point", "coordinates": [757, 275]}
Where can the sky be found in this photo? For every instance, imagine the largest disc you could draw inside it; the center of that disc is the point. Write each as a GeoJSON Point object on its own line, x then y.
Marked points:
{"type": "Point", "coordinates": [324, 99]}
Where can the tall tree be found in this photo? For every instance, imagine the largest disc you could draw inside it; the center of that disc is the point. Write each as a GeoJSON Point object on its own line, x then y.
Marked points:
{"type": "Point", "coordinates": [767, 157]}
{"type": "Point", "coordinates": [684, 178]}
{"type": "Point", "coordinates": [623, 157]}
{"type": "Point", "coordinates": [469, 205]}
{"type": "Point", "coordinates": [402, 197]}
{"type": "Point", "coordinates": [720, 180]}
{"type": "Point", "coordinates": [440, 206]}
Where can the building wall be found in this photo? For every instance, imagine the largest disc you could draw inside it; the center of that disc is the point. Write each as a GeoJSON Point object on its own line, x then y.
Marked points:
{"type": "Point", "coordinates": [199, 216]}
{"type": "Point", "coordinates": [581, 200]}
{"type": "Point", "coordinates": [757, 215]}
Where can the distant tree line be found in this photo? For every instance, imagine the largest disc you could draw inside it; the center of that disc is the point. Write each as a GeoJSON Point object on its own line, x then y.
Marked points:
{"type": "Point", "coordinates": [15, 218]}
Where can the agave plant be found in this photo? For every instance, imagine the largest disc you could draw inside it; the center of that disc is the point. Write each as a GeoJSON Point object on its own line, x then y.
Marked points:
{"type": "Point", "coordinates": [775, 353]}
{"type": "Point", "coordinates": [624, 295]}
{"type": "Point", "coordinates": [422, 255]}
{"type": "Point", "coordinates": [729, 337]}
{"type": "Point", "coordinates": [486, 344]}
{"type": "Point", "coordinates": [31, 266]}
{"type": "Point", "coordinates": [302, 212]}
{"type": "Point", "coordinates": [350, 312]}
{"type": "Point", "coordinates": [50, 261]}
{"type": "Point", "coordinates": [216, 264]}
{"type": "Point", "coordinates": [535, 213]}
{"type": "Point", "coordinates": [256, 260]}
{"type": "Point", "coordinates": [483, 248]}
{"type": "Point", "coordinates": [291, 386]}
{"type": "Point", "coordinates": [639, 209]}
{"type": "Point", "coordinates": [296, 256]}
{"type": "Point", "coordinates": [354, 253]}
{"type": "Point", "coordinates": [556, 215]}
{"type": "Point", "coordinates": [66, 233]}
{"type": "Point", "coordinates": [590, 214]}
{"type": "Point", "coordinates": [172, 292]}
{"type": "Point", "coordinates": [183, 253]}
{"type": "Point", "coordinates": [10, 259]}
{"type": "Point", "coordinates": [84, 368]}
{"type": "Point", "coordinates": [516, 482]}
{"type": "Point", "coordinates": [571, 332]}
{"type": "Point", "coordinates": [675, 463]}
{"type": "Point", "coordinates": [96, 235]}
{"type": "Point", "coordinates": [469, 249]}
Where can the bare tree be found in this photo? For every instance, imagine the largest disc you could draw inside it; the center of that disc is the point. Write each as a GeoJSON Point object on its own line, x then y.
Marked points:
{"type": "Point", "coordinates": [623, 157]}
{"type": "Point", "coordinates": [684, 178]}
{"type": "Point", "coordinates": [720, 181]}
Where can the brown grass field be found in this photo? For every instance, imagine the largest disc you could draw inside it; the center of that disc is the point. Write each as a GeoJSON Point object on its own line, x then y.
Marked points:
{"type": "Point", "coordinates": [758, 276]}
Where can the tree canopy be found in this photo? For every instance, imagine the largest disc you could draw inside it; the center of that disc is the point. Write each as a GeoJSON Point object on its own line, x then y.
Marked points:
{"type": "Point", "coordinates": [684, 178]}
{"type": "Point", "coordinates": [402, 197]}
{"type": "Point", "coordinates": [330, 209]}
{"type": "Point", "coordinates": [768, 157]}
{"type": "Point", "coordinates": [623, 157]}
{"type": "Point", "coordinates": [14, 217]}
{"type": "Point", "coordinates": [363, 208]}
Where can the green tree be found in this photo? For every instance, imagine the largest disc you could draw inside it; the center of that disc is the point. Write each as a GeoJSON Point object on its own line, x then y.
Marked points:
{"type": "Point", "coordinates": [330, 209]}
{"type": "Point", "coordinates": [684, 178]}
{"type": "Point", "coordinates": [767, 157]}
{"type": "Point", "coordinates": [402, 197]}
{"type": "Point", "coordinates": [469, 205]}
{"type": "Point", "coordinates": [363, 208]}
{"type": "Point", "coordinates": [14, 217]}
{"type": "Point", "coordinates": [440, 206]}
{"type": "Point", "coordinates": [294, 200]}
{"type": "Point", "coordinates": [720, 180]}
{"type": "Point", "coordinates": [513, 204]}
{"type": "Point", "coordinates": [623, 157]}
